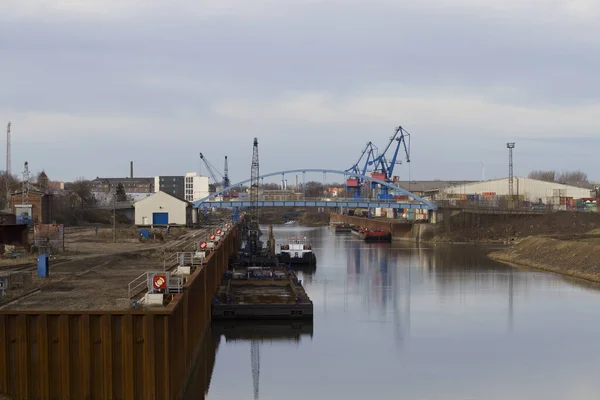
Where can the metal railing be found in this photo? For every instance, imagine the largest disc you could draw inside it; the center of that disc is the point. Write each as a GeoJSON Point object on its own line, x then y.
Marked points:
{"type": "Point", "coordinates": [183, 259]}
{"type": "Point", "coordinates": [175, 284]}
{"type": "Point", "coordinates": [170, 262]}
{"type": "Point", "coordinates": [134, 285]}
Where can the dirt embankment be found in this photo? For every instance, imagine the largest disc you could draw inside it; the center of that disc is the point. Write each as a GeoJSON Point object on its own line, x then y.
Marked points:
{"type": "Point", "coordinates": [573, 256]}
{"type": "Point", "coordinates": [501, 228]}
{"type": "Point", "coordinates": [303, 216]}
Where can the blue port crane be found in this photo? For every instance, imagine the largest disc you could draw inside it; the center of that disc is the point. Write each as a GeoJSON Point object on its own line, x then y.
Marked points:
{"type": "Point", "coordinates": [383, 168]}
{"type": "Point", "coordinates": [355, 182]}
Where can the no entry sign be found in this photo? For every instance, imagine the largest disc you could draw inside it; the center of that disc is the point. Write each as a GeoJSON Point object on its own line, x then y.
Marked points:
{"type": "Point", "coordinates": [203, 245]}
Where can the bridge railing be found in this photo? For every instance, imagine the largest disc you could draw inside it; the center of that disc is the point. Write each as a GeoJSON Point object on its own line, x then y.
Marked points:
{"type": "Point", "coordinates": [291, 198]}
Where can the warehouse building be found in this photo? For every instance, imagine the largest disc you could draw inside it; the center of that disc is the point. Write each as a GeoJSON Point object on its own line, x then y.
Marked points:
{"type": "Point", "coordinates": [530, 190]}
{"type": "Point", "coordinates": [162, 209]}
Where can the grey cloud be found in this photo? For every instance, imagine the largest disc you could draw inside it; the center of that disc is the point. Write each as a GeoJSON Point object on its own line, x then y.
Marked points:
{"type": "Point", "coordinates": [168, 70]}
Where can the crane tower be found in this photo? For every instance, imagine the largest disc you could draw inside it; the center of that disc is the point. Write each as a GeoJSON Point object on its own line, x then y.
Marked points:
{"type": "Point", "coordinates": [254, 231]}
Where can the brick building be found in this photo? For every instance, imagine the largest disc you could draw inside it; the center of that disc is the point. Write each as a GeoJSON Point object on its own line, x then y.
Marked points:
{"type": "Point", "coordinates": [38, 207]}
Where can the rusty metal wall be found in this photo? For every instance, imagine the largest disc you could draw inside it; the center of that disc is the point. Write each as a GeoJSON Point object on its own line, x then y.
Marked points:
{"type": "Point", "coordinates": [101, 355]}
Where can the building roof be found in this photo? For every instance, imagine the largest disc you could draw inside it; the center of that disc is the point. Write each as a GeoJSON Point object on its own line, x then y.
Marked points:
{"type": "Point", "coordinates": [168, 194]}
{"type": "Point", "coordinates": [123, 179]}
{"type": "Point", "coordinates": [32, 189]}
{"type": "Point", "coordinates": [578, 185]}
{"type": "Point", "coordinates": [428, 186]}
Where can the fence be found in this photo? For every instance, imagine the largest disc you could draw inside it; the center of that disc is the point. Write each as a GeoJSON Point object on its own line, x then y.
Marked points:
{"type": "Point", "coordinates": [49, 238]}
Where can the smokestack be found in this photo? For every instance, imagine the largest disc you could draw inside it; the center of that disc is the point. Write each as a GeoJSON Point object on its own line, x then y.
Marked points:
{"type": "Point", "coordinates": [131, 169]}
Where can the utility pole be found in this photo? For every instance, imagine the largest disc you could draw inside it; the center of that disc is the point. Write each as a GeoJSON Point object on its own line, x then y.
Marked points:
{"type": "Point", "coordinates": [115, 218]}
{"type": "Point", "coordinates": [511, 188]}
{"type": "Point", "coordinates": [8, 171]}
{"type": "Point", "coordinates": [8, 148]}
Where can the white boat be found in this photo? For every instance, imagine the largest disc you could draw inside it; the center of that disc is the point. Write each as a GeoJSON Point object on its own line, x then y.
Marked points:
{"type": "Point", "coordinates": [290, 223]}
{"type": "Point", "coordinates": [297, 251]}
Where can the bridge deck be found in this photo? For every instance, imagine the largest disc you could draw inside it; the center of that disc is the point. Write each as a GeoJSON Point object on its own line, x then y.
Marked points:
{"type": "Point", "coordinates": [350, 203]}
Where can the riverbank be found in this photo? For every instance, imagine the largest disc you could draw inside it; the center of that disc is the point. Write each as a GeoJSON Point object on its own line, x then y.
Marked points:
{"type": "Point", "coordinates": [567, 255]}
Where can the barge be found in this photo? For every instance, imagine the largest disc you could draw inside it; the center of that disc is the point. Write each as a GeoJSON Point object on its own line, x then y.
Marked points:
{"type": "Point", "coordinates": [261, 293]}
{"type": "Point", "coordinates": [340, 227]}
{"type": "Point", "coordinates": [375, 236]}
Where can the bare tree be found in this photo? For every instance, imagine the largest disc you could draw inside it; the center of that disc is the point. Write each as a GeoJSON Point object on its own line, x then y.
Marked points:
{"type": "Point", "coordinates": [572, 177]}
{"type": "Point", "coordinates": [548, 176]}
{"type": "Point", "coordinates": [83, 189]}
{"type": "Point", "coordinates": [270, 186]}
{"type": "Point", "coordinates": [10, 183]}
{"type": "Point", "coordinates": [314, 189]}
{"type": "Point", "coordinates": [42, 180]}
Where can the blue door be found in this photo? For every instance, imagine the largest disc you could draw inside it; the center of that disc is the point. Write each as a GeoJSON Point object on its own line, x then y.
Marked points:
{"type": "Point", "coordinates": [160, 218]}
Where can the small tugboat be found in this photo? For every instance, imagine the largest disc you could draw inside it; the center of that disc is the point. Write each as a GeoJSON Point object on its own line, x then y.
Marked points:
{"type": "Point", "coordinates": [297, 251]}
{"type": "Point", "coordinates": [375, 236]}
{"type": "Point", "coordinates": [355, 230]}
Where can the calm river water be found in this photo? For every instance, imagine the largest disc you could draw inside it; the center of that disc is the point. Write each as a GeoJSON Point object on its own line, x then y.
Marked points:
{"type": "Point", "coordinates": [402, 321]}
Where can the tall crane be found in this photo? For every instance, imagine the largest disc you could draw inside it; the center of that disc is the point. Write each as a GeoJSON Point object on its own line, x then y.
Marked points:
{"type": "Point", "coordinates": [226, 181]}
{"type": "Point", "coordinates": [355, 182]}
{"type": "Point", "coordinates": [254, 231]}
{"type": "Point", "coordinates": [384, 169]}
{"type": "Point", "coordinates": [212, 171]}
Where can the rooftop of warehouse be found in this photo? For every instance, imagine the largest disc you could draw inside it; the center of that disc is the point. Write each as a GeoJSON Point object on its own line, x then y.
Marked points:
{"type": "Point", "coordinates": [426, 186]}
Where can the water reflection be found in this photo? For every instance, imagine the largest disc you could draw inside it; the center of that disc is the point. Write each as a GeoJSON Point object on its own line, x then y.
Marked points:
{"type": "Point", "coordinates": [432, 322]}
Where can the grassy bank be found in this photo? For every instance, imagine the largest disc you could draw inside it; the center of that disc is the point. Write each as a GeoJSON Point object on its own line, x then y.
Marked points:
{"type": "Point", "coordinates": [572, 256]}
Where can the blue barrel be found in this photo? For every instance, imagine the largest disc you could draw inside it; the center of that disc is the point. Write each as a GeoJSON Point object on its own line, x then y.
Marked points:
{"type": "Point", "coordinates": [43, 268]}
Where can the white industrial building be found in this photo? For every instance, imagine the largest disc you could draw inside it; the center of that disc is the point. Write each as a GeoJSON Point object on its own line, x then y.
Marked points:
{"type": "Point", "coordinates": [196, 186]}
{"type": "Point", "coordinates": [162, 209]}
{"type": "Point", "coordinates": [533, 190]}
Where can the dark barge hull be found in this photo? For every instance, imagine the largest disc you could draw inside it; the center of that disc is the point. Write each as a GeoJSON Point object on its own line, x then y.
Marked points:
{"type": "Point", "coordinates": [222, 312]}
{"type": "Point", "coordinates": [386, 238]}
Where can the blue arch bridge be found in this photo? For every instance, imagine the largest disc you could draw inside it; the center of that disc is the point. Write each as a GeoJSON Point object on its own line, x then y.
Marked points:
{"type": "Point", "coordinates": [413, 202]}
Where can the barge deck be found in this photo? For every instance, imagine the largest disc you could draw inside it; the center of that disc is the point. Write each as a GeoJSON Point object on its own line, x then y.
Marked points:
{"type": "Point", "coordinates": [280, 297]}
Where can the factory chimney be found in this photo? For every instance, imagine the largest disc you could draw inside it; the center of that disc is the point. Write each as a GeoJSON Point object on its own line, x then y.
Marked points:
{"type": "Point", "coordinates": [131, 169]}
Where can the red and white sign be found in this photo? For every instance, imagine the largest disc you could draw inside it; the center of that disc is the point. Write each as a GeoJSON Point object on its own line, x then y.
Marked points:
{"type": "Point", "coordinates": [203, 245]}
{"type": "Point", "coordinates": [211, 237]}
{"type": "Point", "coordinates": [219, 232]}
{"type": "Point", "coordinates": [159, 282]}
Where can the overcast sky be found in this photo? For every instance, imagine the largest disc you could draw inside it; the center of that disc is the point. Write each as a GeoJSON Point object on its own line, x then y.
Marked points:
{"type": "Point", "coordinates": [90, 85]}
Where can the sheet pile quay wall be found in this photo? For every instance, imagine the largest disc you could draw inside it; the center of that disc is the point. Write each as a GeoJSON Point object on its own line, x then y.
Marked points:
{"type": "Point", "coordinates": [132, 354]}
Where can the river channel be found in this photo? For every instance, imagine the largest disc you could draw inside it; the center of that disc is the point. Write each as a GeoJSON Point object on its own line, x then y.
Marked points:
{"type": "Point", "coordinates": [403, 321]}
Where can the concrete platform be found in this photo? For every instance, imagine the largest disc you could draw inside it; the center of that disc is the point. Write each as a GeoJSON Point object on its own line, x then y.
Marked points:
{"type": "Point", "coordinates": [94, 278]}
